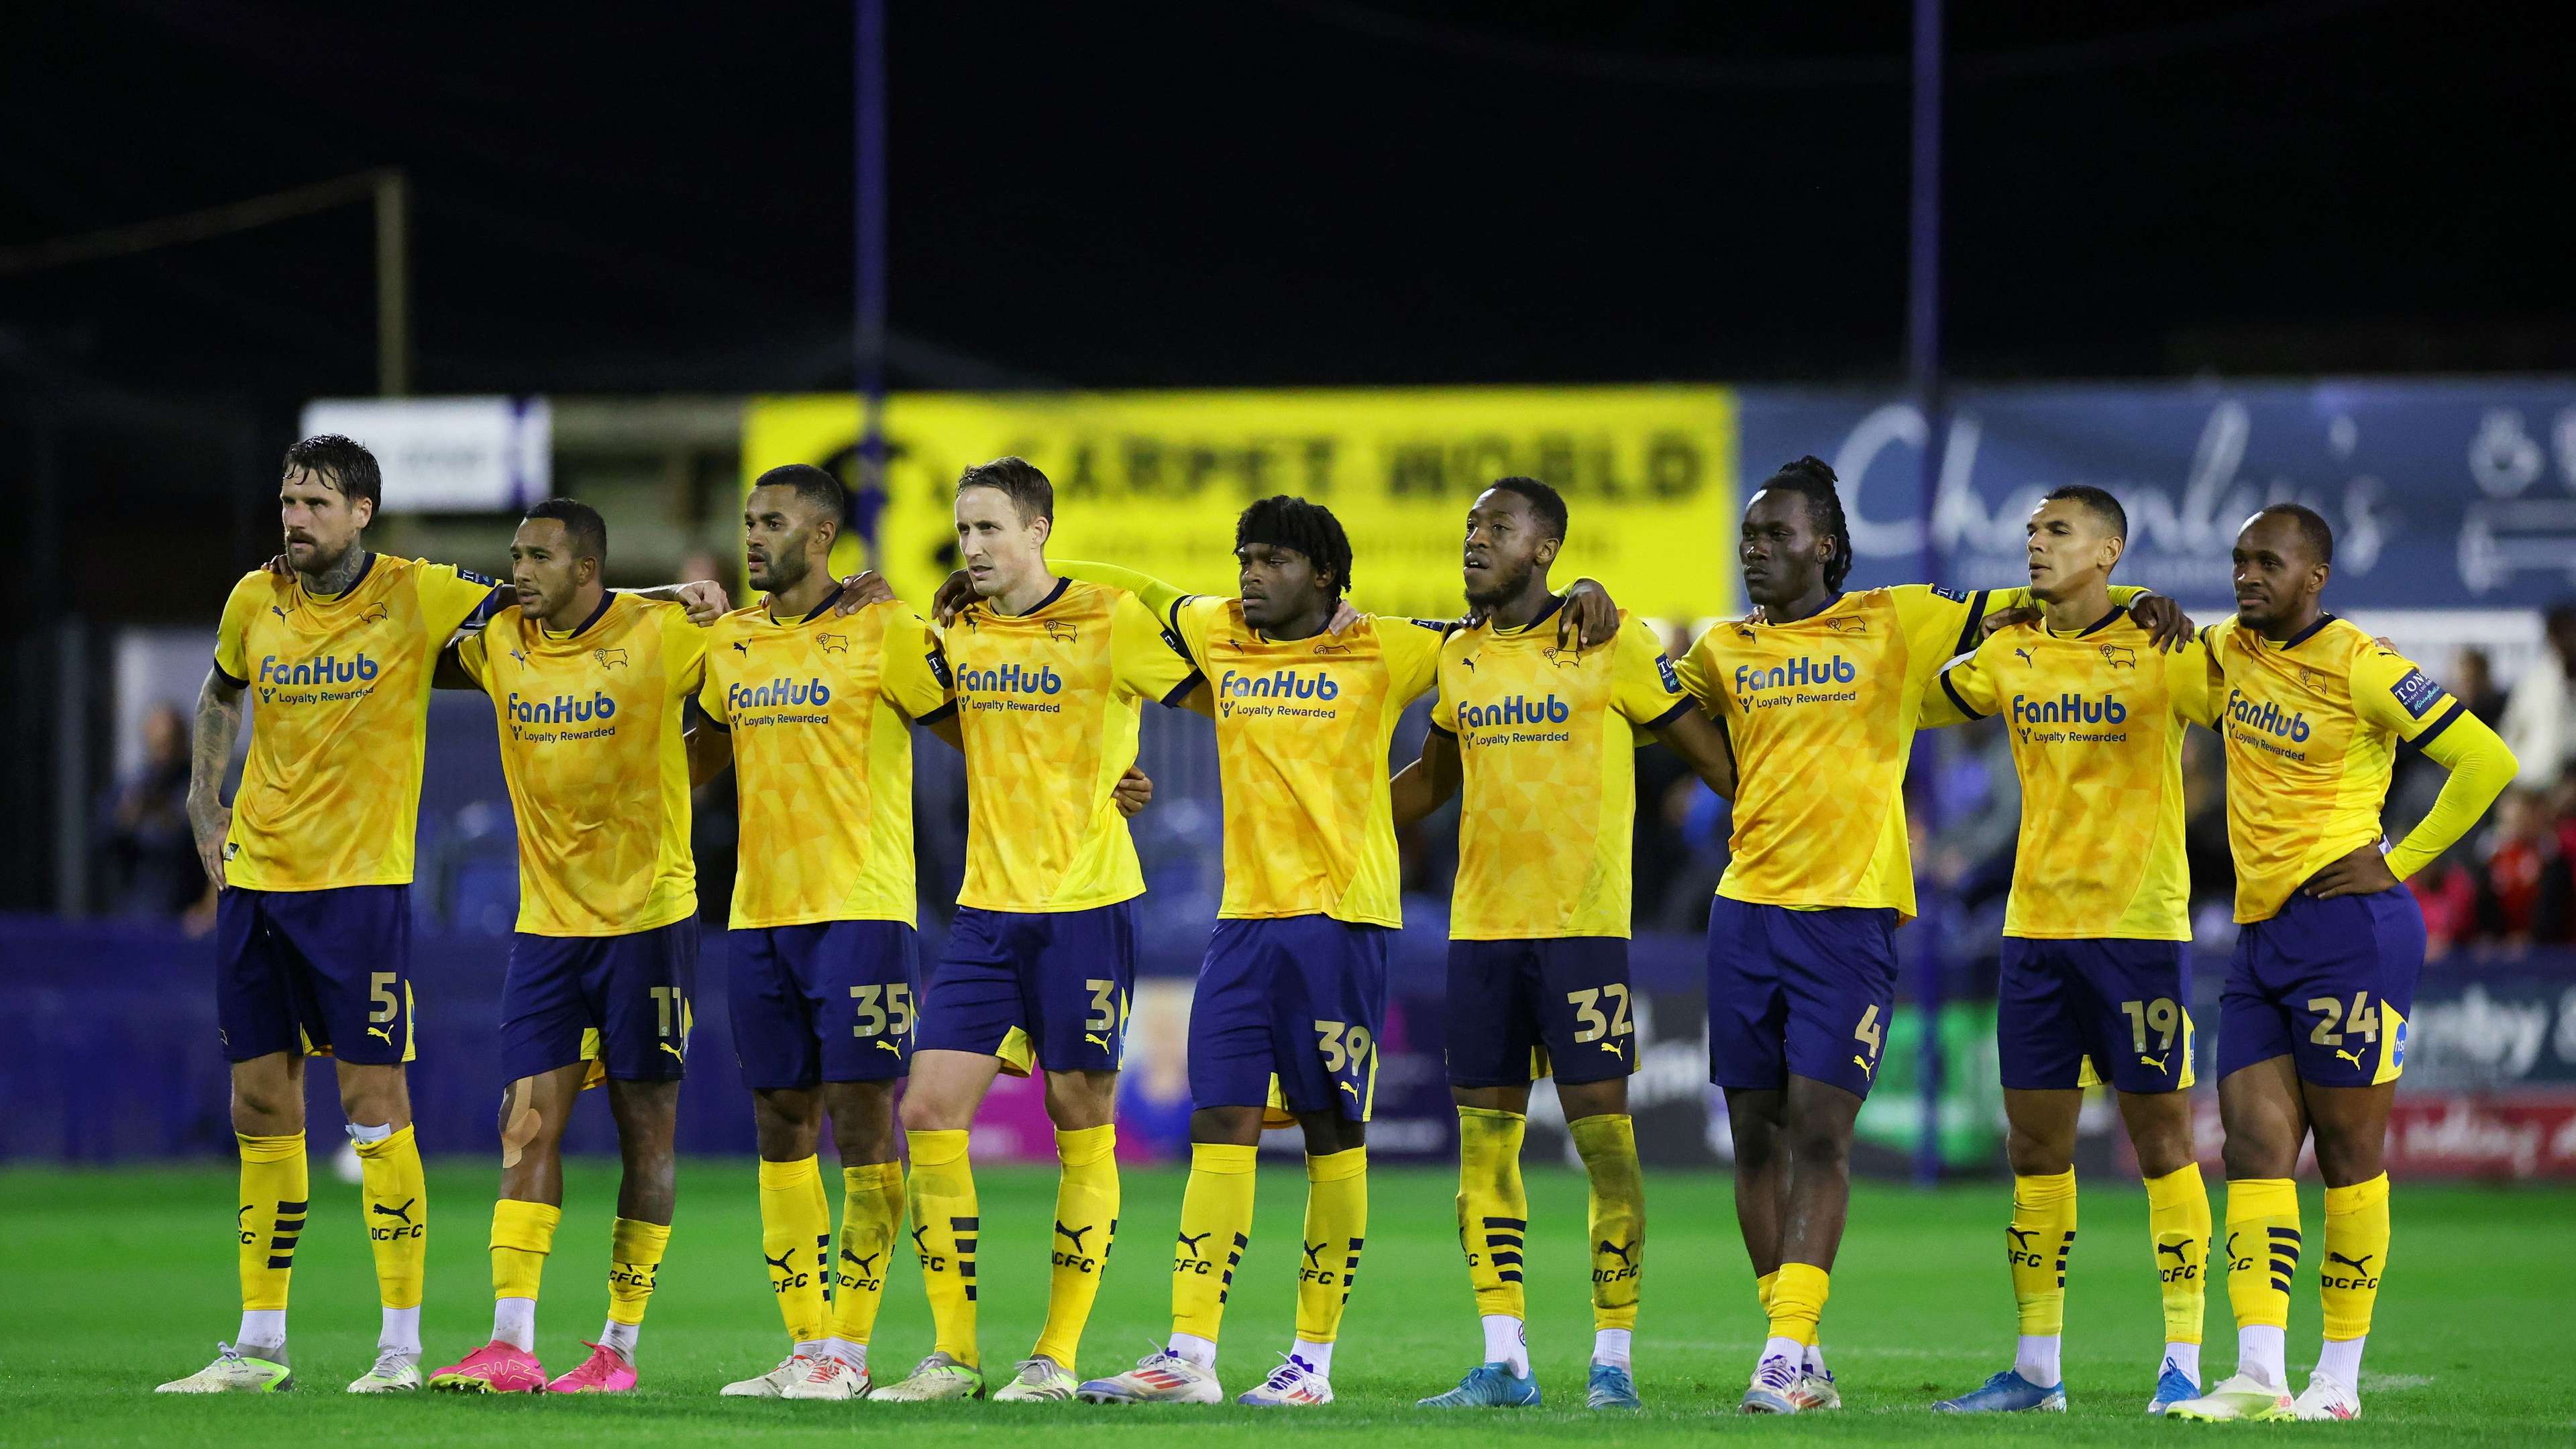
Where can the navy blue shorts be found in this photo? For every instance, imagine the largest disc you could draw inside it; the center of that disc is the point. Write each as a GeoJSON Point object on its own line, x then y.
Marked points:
{"type": "Point", "coordinates": [2331, 983]}
{"type": "Point", "coordinates": [1045, 985]}
{"type": "Point", "coordinates": [620, 1001]}
{"type": "Point", "coordinates": [1287, 1013]}
{"type": "Point", "coordinates": [1557, 1007]}
{"type": "Point", "coordinates": [314, 971]}
{"type": "Point", "coordinates": [830, 1001]}
{"type": "Point", "coordinates": [2123, 1006]}
{"type": "Point", "coordinates": [1803, 993]}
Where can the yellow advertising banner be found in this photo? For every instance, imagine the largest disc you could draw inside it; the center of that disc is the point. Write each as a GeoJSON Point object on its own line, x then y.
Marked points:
{"type": "Point", "coordinates": [1154, 480]}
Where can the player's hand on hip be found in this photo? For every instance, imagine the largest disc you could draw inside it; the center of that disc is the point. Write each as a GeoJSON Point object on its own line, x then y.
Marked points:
{"type": "Point", "coordinates": [1588, 615]}
{"type": "Point", "coordinates": [2167, 626]}
{"type": "Point", "coordinates": [861, 589]}
{"type": "Point", "coordinates": [952, 599]}
{"type": "Point", "coordinates": [211, 828]}
{"type": "Point", "coordinates": [705, 599]}
{"type": "Point", "coordinates": [2364, 872]}
{"type": "Point", "coordinates": [1133, 792]}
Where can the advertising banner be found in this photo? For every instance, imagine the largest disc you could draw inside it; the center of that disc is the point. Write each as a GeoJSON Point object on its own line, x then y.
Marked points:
{"type": "Point", "coordinates": [2443, 494]}
{"type": "Point", "coordinates": [1154, 480]}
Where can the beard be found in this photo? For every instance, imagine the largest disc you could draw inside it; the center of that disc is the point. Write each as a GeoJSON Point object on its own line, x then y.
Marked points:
{"type": "Point", "coordinates": [1505, 587]}
{"type": "Point", "coordinates": [787, 569]}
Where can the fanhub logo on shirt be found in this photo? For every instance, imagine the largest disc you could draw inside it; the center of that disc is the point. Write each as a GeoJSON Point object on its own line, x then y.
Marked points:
{"type": "Point", "coordinates": [2069, 709]}
{"type": "Point", "coordinates": [1279, 684]}
{"type": "Point", "coordinates": [320, 669]}
{"type": "Point", "coordinates": [1799, 673]}
{"type": "Point", "coordinates": [2267, 717]}
{"type": "Point", "coordinates": [562, 709]}
{"type": "Point", "coordinates": [1519, 709]}
{"type": "Point", "coordinates": [739, 697]}
{"type": "Point", "coordinates": [1011, 679]}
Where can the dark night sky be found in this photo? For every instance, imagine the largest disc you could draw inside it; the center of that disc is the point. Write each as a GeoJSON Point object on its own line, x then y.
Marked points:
{"type": "Point", "coordinates": [1295, 191]}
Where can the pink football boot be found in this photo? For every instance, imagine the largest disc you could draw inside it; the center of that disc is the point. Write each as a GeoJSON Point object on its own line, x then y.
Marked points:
{"type": "Point", "coordinates": [606, 1371]}
{"type": "Point", "coordinates": [495, 1368]}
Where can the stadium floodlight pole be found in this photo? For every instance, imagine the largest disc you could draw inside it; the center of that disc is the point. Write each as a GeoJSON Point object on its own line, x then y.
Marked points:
{"type": "Point", "coordinates": [1923, 373]}
{"type": "Point", "coordinates": [393, 283]}
{"type": "Point", "coordinates": [869, 335]}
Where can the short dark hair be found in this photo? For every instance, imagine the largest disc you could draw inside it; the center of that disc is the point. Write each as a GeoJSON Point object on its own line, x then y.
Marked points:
{"type": "Point", "coordinates": [344, 463]}
{"type": "Point", "coordinates": [584, 529]}
{"type": "Point", "coordinates": [1544, 501]}
{"type": "Point", "coordinates": [813, 485]}
{"type": "Point", "coordinates": [1309, 528]}
{"type": "Point", "coordinates": [2097, 501]}
{"type": "Point", "coordinates": [1811, 478]}
{"type": "Point", "coordinates": [2311, 524]}
{"type": "Point", "coordinates": [1019, 480]}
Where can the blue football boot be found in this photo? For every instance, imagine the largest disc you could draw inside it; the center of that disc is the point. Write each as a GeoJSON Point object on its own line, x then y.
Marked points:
{"type": "Point", "coordinates": [2008, 1393]}
{"type": "Point", "coordinates": [1487, 1386]}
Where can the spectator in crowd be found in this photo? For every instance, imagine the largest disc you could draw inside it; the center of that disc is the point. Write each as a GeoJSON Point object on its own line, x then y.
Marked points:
{"type": "Point", "coordinates": [2449, 893]}
{"type": "Point", "coordinates": [2527, 887]}
{"type": "Point", "coordinates": [2473, 683]}
{"type": "Point", "coordinates": [148, 857]}
{"type": "Point", "coordinates": [2540, 717]}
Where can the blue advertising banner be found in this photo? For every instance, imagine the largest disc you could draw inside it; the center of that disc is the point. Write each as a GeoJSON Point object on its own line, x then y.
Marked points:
{"type": "Point", "coordinates": [2443, 494]}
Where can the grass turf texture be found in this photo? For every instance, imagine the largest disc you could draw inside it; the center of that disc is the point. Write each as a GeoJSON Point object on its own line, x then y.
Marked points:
{"type": "Point", "coordinates": [121, 1279]}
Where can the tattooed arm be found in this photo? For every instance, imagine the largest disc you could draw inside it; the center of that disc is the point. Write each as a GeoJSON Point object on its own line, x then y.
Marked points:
{"type": "Point", "coordinates": [219, 717]}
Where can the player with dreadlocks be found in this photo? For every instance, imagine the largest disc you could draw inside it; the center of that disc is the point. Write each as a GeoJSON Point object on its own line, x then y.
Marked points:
{"type": "Point", "coordinates": [1294, 983]}
{"type": "Point", "coordinates": [1820, 691]}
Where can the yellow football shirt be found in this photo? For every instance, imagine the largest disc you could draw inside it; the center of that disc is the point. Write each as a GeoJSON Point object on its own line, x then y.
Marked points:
{"type": "Point", "coordinates": [2312, 725]}
{"type": "Point", "coordinates": [1047, 709]}
{"type": "Point", "coordinates": [1822, 713]}
{"type": "Point", "coordinates": [339, 715]}
{"type": "Point", "coordinates": [598, 772]}
{"type": "Point", "coordinates": [817, 709]}
{"type": "Point", "coordinates": [2095, 719]}
{"type": "Point", "coordinates": [1302, 727]}
{"type": "Point", "coordinates": [1547, 751]}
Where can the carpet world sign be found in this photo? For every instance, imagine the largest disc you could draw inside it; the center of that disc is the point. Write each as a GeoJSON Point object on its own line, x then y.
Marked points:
{"type": "Point", "coordinates": [1153, 480]}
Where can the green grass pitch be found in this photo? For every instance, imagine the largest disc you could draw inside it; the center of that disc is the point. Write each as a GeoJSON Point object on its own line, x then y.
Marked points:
{"type": "Point", "coordinates": [117, 1280]}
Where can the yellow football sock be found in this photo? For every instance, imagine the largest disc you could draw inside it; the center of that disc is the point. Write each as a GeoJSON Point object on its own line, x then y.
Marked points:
{"type": "Point", "coordinates": [1086, 1224]}
{"type": "Point", "coordinates": [274, 1195]}
{"type": "Point", "coordinates": [941, 1194]}
{"type": "Point", "coordinates": [634, 1261]}
{"type": "Point", "coordinates": [2178, 1221]}
{"type": "Point", "coordinates": [397, 1205]}
{"type": "Point", "coordinates": [1798, 1301]}
{"type": "Point", "coordinates": [522, 1234]}
{"type": "Point", "coordinates": [2356, 1255]}
{"type": "Point", "coordinates": [2036, 1243]}
{"type": "Point", "coordinates": [795, 1233]}
{"type": "Point", "coordinates": [2262, 1249]}
{"type": "Point", "coordinates": [1216, 1224]}
{"type": "Point", "coordinates": [1608, 1146]}
{"type": "Point", "coordinates": [1764, 1285]}
{"type": "Point", "coordinates": [1493, 1207]}
{"type": "Point", "coordinates": [1336, 1229]}
{"type": "Point", "coordinates": [871, 1215]}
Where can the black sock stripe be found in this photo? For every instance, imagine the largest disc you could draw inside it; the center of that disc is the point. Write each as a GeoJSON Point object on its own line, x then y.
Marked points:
{"type": "Point", "coordinates": [297, 1206]}
{"type": "Point", "coordinates": [1514, 1223]}
{"type": "Point", "coordinates": [1509, 1275]}
{"type": "Point", "coordinates": [286, 1262]}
